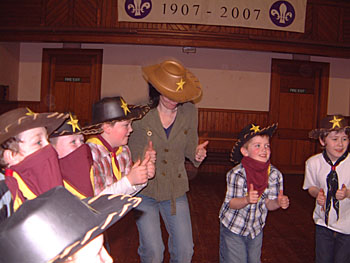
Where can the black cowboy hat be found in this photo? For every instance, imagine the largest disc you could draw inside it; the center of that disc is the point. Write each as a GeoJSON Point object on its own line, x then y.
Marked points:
{"type": "Point", "coordinates": [173, 80]}
{"type": "Point", "coordinates": [330, 123]}
{"type": "Point", "coordinates": [113, 109]}
{"type": "Point", "coordinates": [18, 120]}
{"type": "Point", "coordinates": [57, 224]}
{"type": "Point", "coordinates": [70, 126]}
{"type": "Point", "coordinates": [245, 135]}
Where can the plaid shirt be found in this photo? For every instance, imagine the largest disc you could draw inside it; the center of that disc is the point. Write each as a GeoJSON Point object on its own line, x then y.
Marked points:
{"type": "Point", "coordinates": [6, 204]}
{"type": "Point", "coordinates": [102, 166]}
{"type": "Point", "coordinates": [250, 219]}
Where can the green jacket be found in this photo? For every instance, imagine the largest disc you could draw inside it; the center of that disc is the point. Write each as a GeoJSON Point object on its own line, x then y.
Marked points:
{"type": "Point", "coordinates": [171, 179]}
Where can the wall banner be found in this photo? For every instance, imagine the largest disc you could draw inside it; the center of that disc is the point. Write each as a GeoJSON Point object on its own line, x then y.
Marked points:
{"type": "Point", "coordinates": [288, 15]}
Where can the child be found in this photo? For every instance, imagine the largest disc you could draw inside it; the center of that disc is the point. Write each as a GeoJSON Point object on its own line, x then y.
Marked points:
{"type": "Point", "coordinates": [30, 161]}
{"type": "Point", "coordinates": [58, 227]}
{"type": "Point", "coordinates": [112, 117]}
{"type": "Point", "coordinates": [254, 187]}
{"type": "Point", "coordinates": [75, 158]}
{"type": "Point", "coordinates": [327, 180]}
{"type": "Point", "coordinates": [6, 202]}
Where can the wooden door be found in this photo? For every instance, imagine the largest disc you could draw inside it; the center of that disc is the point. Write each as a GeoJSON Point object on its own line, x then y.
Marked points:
{"type": "Point", "coordinates": [298, 100]}
{"type": "Point", "coordinates": [71, 81]}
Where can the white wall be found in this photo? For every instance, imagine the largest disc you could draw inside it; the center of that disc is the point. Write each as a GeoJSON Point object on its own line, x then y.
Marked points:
{"type": "Point", "coordinates": [230, 79]}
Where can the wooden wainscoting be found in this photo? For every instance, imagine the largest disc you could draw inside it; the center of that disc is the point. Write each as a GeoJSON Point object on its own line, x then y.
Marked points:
{"type": "Point", "coordinates": [221, 127]}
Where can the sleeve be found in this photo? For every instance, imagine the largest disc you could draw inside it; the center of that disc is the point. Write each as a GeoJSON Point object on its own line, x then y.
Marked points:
{"type": "Point", "coordinates": [6, 203]}
{"type": "Point", "coordinates": [192, 138]}
{"type": "Point", "coordinates": [310, 178]}
{"type": "Point", "coordinates": [275, 184]}
{"type": "Point", "coordinates": [236, 185]}
{"type": "Point", "coordinates": [122, 186]}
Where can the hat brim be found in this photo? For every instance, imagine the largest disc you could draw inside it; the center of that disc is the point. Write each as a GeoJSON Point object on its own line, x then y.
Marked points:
{"type": "Point", "coordinates": [192, 88]}
{"type": "Point", "coordinates": [236, 155]}
{"type": "Point", "coordinates": [136, 112]}
{"type": "Point", "coordinates": [315, 134]}
{"type": "Point", "coordinates": [16, 123]}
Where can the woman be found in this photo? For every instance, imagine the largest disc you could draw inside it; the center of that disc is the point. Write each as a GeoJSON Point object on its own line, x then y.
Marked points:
{"type": "Point", "coordinates": [171, 125]}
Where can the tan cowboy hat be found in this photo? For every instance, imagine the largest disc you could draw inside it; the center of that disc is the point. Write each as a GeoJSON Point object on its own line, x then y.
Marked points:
{"type": "Point", "coordinates": [330, 123]}
{"type": "Point", "coordinates": [18, 120]}
{"type": "Point", "coordinates": [56, 224]}
{"type": "Point", "coordinates": [173, 80]}
{"type": "Point", "coordinates": [245, 135]}
{"type": "Point", "coordinates": [112, 109]}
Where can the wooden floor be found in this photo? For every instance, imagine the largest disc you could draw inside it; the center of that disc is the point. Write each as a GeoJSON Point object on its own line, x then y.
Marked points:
{"type": "Point", "coordinates": [288, 234]}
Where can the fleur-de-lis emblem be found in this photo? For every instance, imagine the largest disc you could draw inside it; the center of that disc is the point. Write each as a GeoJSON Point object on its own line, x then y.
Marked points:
{"type": "Point", "coordinates": [138, 7]}
{"type": "Point", "coordinates": [282, 15]}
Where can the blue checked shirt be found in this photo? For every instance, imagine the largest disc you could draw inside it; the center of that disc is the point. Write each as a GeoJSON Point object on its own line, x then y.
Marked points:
{"type": "Point", "coordinates": [250, 219]}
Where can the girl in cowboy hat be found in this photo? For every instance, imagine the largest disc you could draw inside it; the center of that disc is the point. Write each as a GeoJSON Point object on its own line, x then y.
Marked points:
{"type": "Point", "coordinates": [30, 162]}
{"type": "Point", "coordinates": [254, 187]}
{"type": "Point", "coordinates": [171, 125]}
{"type": "Point", "coordinates": [327, 180]}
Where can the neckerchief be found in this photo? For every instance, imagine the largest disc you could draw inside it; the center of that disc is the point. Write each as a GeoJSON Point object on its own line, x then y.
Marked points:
{"type": "Point", "coordinates": [332, 185]}
{"type": "Point", "coordinates": [99, 140]}
{"type": "Point", "coordinates": [36, 174]}
{"type": "Point", "coordinates": [75, 169]}
{"type": "Point", "coordinates": [257, 173]}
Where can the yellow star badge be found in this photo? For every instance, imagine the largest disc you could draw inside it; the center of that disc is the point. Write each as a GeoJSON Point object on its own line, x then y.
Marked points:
{"type": "Point", "coordinates": [336, 122]}
{"type": "Point", "coordinates": [255, 128]}
{"type": "Point", "coordinates": [73, 122]}
{"type": "Point", "coordinates": [180, 85]}
{"type": "Point", "coordinates": [31, 113]}
{"type": "Point", "coordinates": [124, 107]}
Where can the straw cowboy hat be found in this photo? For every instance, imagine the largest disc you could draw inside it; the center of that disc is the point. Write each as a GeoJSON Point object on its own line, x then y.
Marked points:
{"type": "Point", "coordinates": [56, 224]}
{"type": "Point", "coordinates": [330, 123]}
{"type": "Point", "coordinates": [18, 120]}
{"type": "Point", "coordinates": [70, 126]}
{"type": "Point", "coordinates": [245, 135]}
{"type": "Point", "coordinates": [173, 80]}
{"type": "Point", "coordinates": [113, 109]}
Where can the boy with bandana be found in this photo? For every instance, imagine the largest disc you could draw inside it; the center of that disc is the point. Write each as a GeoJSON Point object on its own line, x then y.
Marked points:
{"type": "Point", "coordinates": [254, 187]}
{"type": "Point", "coordinates": [30, 162]}
{"type": "Point", "coordinates": [327, 180]}
{"type": "Point", "coordinates": [112, 163]}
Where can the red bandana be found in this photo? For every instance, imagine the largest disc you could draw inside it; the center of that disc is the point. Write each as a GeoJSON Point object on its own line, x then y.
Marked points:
{"type": "Point", "coordinates": [257, 173]}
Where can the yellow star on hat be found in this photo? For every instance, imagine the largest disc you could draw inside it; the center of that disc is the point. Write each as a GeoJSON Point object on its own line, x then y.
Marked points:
{"type": "Point", "coordinates": [255, 128]}
{"type": "Point", "coordinates": [180, 85]}
{"type": "Point", "coordinates": [73, 122]}
{"type": "Point", "coordinates": [336, 122]}
{"type": "Point", "coordinates": [124, 106]}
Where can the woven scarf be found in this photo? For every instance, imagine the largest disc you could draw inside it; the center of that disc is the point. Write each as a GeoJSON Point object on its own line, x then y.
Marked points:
{"type": "Point", "coordinates": [257, 173]}
{"type": "Point", "coordinates": [332, 185]}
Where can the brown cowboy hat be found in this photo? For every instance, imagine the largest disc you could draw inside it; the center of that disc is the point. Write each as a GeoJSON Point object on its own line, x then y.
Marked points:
{"type": "Point", "coordinates": [245, 135]}
{"type": "Point", "coordinates": [113, 109]}
{"type": "Point", "coordinates": [70, 126]}
{"type": "Point", "coordinates": [330, 123]}
{"type": "Point", "coordinates": [56, 224]}
{"type": "Point", "coordinates": [173, 80]}
{"type": "Point", "coordinates": [18, 120]}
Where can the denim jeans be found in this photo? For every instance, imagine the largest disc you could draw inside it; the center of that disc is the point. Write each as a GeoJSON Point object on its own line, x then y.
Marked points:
{"type": "Point", "coordinates": [239, 249]}
{"type": "Point", "coordinates": [180, 242]}
{"type": "Point", "coordinates": [331, 246]}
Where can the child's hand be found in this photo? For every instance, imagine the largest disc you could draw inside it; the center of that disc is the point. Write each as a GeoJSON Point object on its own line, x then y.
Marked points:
{"type": "Point", "coordinates": [201, 152]}
{"type": "Point", "coordinates": [151, 152]}
{"type": "Point", "coordinates": [283, 200]}
{"type": "Point", "coordinates": [341, 193]}
{"type": "Point", "coordinates": [253, 195]}
{"type": "Point", "coordinates": [321, 198]}
{"type": "Point", "coordinates": [138, 173]}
